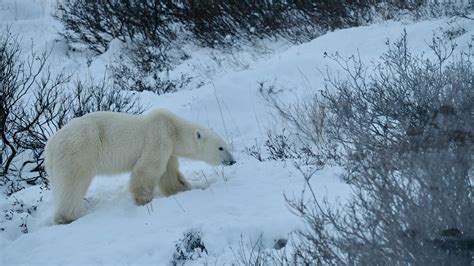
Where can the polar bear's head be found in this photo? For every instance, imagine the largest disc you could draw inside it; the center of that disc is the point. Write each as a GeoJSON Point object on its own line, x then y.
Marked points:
{"type": "Point", "coordinates": [212, 148]}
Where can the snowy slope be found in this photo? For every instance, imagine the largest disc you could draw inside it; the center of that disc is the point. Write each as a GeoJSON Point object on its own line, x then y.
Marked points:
{"type": "Point", "coordinates": [244, 201]}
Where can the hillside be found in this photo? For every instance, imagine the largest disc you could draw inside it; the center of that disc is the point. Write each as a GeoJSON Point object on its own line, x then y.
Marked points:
{"type": "Point", "coordinates": [241, 203]}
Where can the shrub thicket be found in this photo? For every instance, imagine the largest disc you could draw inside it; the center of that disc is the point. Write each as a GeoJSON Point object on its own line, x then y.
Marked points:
{"type": "Point", "coordinates": [404, 133]}
{"type": "Point", "coordinates": [216, 23]}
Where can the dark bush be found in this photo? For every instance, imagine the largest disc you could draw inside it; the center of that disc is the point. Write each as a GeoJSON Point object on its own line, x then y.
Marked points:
{"type": "Point", "coordinates": [30, 110]}
{"type": "Point", "coordinates": [212, 23]}
{"type": "Point", "coordinates": [216, 23]}
{"type": "Point", "coordinates": [87, 97]}
{"type": "Point", "coordinates": [144, 67]}
{"type": "Point", "coordinates": [96, 23]}
{"type": "Point", "coordinates": [190, 247]}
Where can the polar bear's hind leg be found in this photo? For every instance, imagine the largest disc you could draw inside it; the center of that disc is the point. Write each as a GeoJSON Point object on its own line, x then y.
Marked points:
{"type": "Point", "coordinates": [70, 189]}
{"type": "Point", "coordinates": [70, 164]}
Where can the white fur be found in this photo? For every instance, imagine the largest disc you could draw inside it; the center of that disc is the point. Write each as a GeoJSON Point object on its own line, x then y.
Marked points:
{"type": "Point", "coordinates": [105, 143]}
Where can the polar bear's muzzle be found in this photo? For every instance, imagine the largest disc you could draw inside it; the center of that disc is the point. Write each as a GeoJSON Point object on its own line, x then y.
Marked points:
{"type": "Point", "coordinates": [229, 160]}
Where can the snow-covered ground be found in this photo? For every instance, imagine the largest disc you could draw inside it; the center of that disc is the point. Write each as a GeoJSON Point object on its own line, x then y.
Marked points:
{"type": "Point", "coordinates": [243, 201]}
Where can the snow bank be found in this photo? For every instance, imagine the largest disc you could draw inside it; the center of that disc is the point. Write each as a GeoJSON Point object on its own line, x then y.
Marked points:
{"type": "Point", "coordinates": [243, 201]}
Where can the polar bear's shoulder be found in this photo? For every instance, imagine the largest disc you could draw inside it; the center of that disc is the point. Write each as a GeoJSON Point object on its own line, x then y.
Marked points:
{"type": "Point", "coordinates": [164, 115]}
{"type": "Point", "coordinates": [161, 112]}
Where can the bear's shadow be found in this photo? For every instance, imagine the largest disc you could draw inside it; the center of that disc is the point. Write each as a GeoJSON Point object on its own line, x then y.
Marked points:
{"type": "Point", "coordinates": [99, 197]}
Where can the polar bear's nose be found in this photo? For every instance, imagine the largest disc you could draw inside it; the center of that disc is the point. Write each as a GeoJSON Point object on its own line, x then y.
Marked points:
{"type": "Point", "coordinates": [231, 162]}
{"type": "Point", "coordinates": [228, 158]}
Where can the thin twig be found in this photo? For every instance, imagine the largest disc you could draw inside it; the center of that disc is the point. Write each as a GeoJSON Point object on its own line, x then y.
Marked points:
{"type": "Point", "coordinates": [207, 182]}
{"type": "Point", "coordinates": [177, 202]}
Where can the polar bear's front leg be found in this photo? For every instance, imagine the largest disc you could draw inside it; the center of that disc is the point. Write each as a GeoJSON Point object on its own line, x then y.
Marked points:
{"type": "Point", "coordinates": [142, 182]}
{"type": "Point", "coordinates": [172, 180]}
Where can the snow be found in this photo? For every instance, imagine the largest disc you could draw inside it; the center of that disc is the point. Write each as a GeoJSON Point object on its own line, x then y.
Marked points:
{"type": "Point", "coordinates": [243, 201]}
{"type": "Point", "coordinates": [115, 231]}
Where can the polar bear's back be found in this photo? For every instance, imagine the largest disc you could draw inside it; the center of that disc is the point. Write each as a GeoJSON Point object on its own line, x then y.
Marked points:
{"type": "Point", "coordinates": [112, 139]}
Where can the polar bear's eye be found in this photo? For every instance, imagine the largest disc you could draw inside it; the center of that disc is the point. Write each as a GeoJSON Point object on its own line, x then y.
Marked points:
{"type": "Point", "coordinates": [221, 149]}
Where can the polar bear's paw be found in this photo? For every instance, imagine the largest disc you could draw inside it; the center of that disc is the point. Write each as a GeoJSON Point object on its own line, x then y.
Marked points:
{"type": "Point", "coordinates": [60, 219]}
{"type": "Point", "coordinates": [143, 197]}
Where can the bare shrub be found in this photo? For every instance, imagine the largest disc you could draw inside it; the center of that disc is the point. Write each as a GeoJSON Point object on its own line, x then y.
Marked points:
{"type": "Point", "coordinates": [284, 146]}
{"type": "Point", "coordinates": [92, 96]}
{"type": "Point", "coordinates": [405, 136]}
{"type": "Point", "coordinates": [96, 23]}
{"type": "Point", "coordinates": [144, 67]}
{"type": "Point", "coordinates": [30, 110]}
{"type": "Point", "coordinates": [190, 247]}
{"type": "Point", "coordinates": [221, 23]}
{"type": "Point", "coordinates": [252, 253]}
{"type": "Point", "coordinates": [308, 120]}
{"type": "Point", "coordinates": [218, 23]}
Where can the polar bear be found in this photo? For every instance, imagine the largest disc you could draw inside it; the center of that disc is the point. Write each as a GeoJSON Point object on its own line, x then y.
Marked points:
{"type": "Point", "coordinates": [148, 146]}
